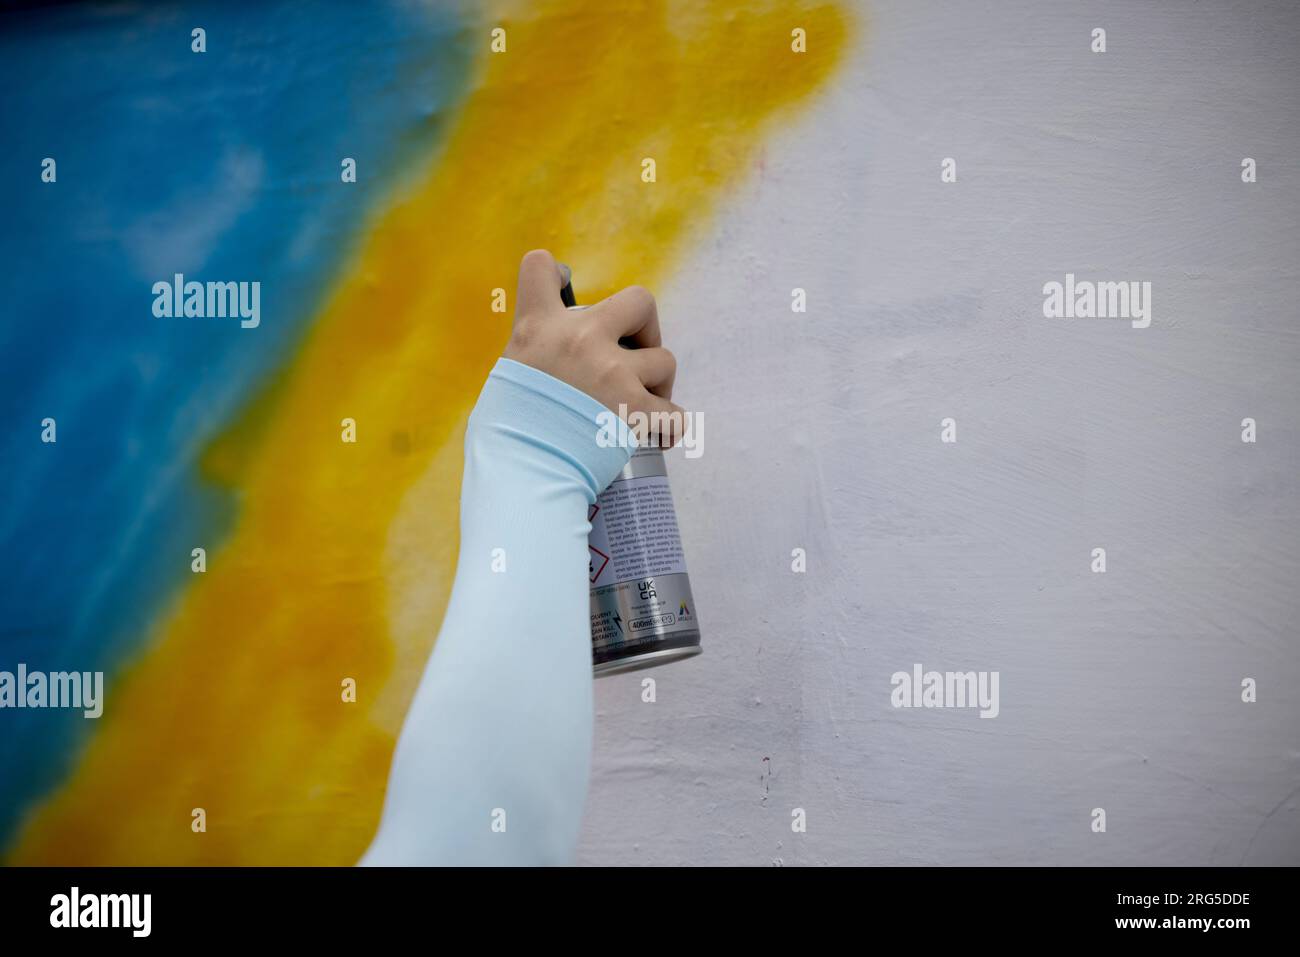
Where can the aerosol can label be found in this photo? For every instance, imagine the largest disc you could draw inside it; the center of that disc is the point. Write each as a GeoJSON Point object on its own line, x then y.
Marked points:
{"type": "Point", "coordinates": [640, 593]}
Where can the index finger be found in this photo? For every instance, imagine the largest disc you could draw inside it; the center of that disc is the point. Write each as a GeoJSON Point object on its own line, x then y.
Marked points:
{"type": "Point", "coordinates": [631, 314]}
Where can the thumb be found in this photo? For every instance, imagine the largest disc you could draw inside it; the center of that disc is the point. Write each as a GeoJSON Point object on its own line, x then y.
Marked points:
{"type": "Point", "coordinates": [540, 282]}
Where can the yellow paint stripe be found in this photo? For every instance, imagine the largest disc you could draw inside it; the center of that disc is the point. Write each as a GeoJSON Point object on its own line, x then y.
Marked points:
{"type": "Point", "coordinates": [339, 563]}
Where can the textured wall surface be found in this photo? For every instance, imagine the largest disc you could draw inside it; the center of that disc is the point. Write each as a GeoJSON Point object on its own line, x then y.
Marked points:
{"type": "Point", "coordinates": [1119, 690]}
{"type": "Point", "coordinates": [776, 171]}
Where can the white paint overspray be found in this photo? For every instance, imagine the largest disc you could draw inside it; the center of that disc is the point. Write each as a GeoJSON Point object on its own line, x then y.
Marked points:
{"type": "Point", "coordinates": [1120, 690]}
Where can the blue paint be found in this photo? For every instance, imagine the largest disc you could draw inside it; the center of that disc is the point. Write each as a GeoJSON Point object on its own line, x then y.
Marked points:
{"type": "Point", "coordinates": [225, 166]}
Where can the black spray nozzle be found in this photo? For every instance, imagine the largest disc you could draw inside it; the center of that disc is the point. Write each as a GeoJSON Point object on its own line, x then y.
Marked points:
{"type": "Point", "coordinates": [566, 294]}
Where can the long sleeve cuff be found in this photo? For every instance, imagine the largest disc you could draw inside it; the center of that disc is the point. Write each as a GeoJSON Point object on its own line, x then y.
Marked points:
{"type": "Point", "coordinates": [531, 406]}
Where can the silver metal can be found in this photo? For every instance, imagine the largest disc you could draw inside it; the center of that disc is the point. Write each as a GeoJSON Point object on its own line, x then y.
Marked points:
{"type": "Point", "coordinates": [642, 609]}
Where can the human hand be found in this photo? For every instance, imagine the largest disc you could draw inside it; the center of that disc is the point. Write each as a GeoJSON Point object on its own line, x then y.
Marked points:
{"type": "Point", "coordinates": [582, 347]}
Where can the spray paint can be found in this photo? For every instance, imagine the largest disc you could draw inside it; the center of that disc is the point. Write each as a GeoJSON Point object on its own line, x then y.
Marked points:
{"type": "Point", "coordinates": [642, 609]}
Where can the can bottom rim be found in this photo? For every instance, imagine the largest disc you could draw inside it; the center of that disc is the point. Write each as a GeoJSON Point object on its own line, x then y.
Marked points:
{"type": "Point", "coordinates": [647, 660]}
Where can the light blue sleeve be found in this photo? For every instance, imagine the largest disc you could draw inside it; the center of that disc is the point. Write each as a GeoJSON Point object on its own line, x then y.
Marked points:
{"type": "Point", "coordinates": [493, 761]}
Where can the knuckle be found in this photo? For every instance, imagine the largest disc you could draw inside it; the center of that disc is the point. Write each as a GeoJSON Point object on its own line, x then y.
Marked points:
{"type": "Point", "coordinates": [571, 345]}
{"type": "Point", "coordinates": [641, 297]}
{"type": "Point", "coordinates": [587, 337]}
{"type": "Point", "coordinates": [524, 333]}
{"type": "Point", "coordinates": [609, 370]}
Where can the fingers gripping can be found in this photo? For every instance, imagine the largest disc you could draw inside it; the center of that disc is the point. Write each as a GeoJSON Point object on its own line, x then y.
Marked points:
{"type": "Point", "coordinates": [642, 609]}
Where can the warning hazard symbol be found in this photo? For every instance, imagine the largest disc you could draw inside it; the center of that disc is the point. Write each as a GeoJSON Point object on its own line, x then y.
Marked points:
{"type": "Point", "coordinates": [596, 562]}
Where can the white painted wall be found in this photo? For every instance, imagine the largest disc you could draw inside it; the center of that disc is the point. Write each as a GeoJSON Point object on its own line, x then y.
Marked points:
{"type": "Point", "coordinates": [1120, 690]}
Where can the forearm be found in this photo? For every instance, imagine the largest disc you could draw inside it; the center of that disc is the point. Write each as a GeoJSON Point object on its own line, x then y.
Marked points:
{"type": "Point", "coordinates": [493, 761]}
